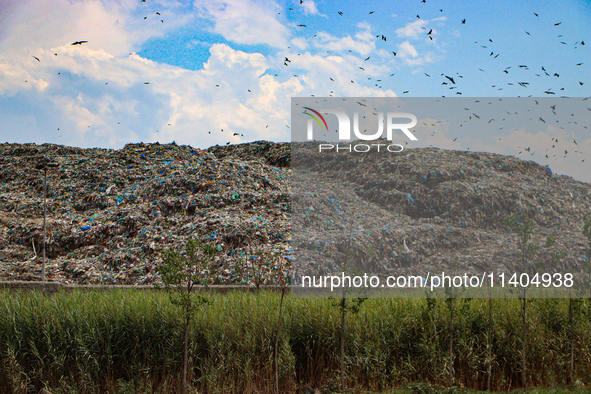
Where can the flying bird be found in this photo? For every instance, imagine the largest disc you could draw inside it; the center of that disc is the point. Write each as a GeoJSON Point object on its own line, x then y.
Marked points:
{"type": "Point", "coordinates": [36, 58]}
{"type": "Point", "coordinates": [79, 42]}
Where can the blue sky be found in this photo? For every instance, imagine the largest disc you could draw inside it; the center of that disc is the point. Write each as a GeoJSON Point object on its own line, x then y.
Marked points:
{"type": "Point", "coordinates": [186, 70]}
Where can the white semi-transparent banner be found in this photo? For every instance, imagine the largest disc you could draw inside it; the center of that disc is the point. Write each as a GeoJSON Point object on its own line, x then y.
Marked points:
{"type": "Point", "coordinates": [441, 197]}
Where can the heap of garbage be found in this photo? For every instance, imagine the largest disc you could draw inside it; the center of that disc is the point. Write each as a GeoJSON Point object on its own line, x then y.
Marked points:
{"type": "Point", "coordinates": [433, 210]}
{"type": "Point", "coordinates": [112, 213]}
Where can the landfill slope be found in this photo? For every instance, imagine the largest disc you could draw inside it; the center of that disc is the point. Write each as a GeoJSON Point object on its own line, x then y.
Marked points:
{"type": "Point", "coordinates": [432, 210]}
{"type": "Point", "coordinates": [112, 213]}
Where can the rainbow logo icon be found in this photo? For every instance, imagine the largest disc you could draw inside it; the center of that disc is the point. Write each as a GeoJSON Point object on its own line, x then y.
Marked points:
{"type": "Point", "coordinates": [315, 118]}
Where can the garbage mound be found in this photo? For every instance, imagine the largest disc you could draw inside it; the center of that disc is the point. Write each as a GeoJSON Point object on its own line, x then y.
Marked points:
{"type": "Point", "coordinates": [112, 213]}
{"type": "Point", "coordinates": [274, 154]}
{"type": "Point", "coordinates": [425, 210]}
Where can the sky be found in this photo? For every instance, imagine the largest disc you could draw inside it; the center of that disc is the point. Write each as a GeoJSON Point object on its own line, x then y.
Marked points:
{"type": "Point", "coordinates": [209, 72]}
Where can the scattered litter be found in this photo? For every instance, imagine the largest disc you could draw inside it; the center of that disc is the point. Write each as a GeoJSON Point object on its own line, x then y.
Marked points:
{"type": "Point", "coordinates": [111, 213]}
{"type": "Point", "coordinates": [428, 209]}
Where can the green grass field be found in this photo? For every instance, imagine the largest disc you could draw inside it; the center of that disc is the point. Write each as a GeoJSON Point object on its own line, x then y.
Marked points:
{"type": "Point", "coordinates": [131, 342]}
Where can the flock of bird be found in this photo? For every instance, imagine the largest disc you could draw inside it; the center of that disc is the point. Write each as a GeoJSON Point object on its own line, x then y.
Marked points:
{"type": "Point", "coordinates": [452, 84]}
{"type": "Point", "coordinates": [450, 81]}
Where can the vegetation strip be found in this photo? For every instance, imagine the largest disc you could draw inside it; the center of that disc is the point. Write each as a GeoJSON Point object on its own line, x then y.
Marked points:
{"type": "Point", "coordinates": [129, 341]}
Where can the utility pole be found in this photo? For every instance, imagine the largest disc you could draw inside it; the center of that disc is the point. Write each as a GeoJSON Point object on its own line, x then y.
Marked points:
{"type": "Point", "coordinates": [43, 166]}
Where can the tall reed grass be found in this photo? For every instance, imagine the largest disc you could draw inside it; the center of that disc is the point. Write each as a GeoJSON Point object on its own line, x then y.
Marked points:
{"type": "Point", "coordinates": [131, 341]}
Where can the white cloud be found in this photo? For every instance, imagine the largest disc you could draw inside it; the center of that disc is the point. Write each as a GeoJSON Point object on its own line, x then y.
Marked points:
{"type": "Point", "coordinates": [113, 29]}
{"type": "Point", "coordinates": [35, 25]}
{"type": "Point", "coordinates": [407, 50]}
{"type": "Point", "coordinates": [299, 43]}
{"type": "Point", "coordinates": [322, 75]}
{"type": "Point", "coordinates": [309, 7]}
{"type": "Point", "coordinates": [235, 62]}
{"type": "Point", "coordinates": [419, 27]}
{"type": "Point", "coordinates": [191, 102]}
{"type": "Point", "coordinates": [198, 106]}
{"type": "Point", "coordinates": [409, 54]}
{"type": "Point", "coordinates": [245, 21]}
{"type": "Point", "coordinates": [95, 94]}
{"type": "Point", "coordinates": [413, 29]}
{"type": "Point", "coordinates": [363, 42]}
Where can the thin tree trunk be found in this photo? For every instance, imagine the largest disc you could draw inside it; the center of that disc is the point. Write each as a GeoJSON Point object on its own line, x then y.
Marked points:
{"type": "Point", "coordinates": [451, 344]}
{"type": "Point", "coordinates": [44, 217]}
{"type": "Point", "coordinates": [572, 340]}
{"type": "Point", "coordinates": [343, 322]}
{"type": "Point", "coordinates": [523, 374]}
{"type": "Point", "coordinates": [489, 343]}
{"type": "Point", "coordinates": [277, 342]}
{"type": "Point", "coordinates": [186, 357]}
